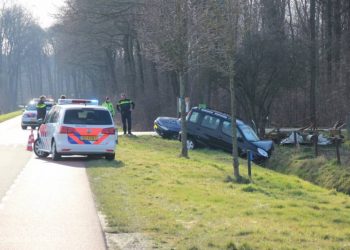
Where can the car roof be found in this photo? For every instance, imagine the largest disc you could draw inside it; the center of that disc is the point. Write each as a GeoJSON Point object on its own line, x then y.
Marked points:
{"type": "Point", "coordinates": [218, 113]}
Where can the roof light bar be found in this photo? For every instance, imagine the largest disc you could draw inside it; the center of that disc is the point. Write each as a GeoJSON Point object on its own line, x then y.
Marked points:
{"type": "Point", "coordinates": [78, 101]}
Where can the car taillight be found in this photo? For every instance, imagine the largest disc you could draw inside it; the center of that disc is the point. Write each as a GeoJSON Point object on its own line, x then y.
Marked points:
{"type": "Point", "coordinates": [108, 131]}
{"type": "Point", "coordinates": [66, 130]}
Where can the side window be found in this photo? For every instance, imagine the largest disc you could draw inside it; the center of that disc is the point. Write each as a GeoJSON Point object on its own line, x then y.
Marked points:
{"type": "Point", "coordinates": [210, 122]}
{"type": "Point", "coordinates": [227, 129]}
{"type": "Point", "coordinates": [194, 117]}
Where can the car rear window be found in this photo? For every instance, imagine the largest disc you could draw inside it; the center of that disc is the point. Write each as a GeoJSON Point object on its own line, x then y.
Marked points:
{"type": "Point", "coordinates": [87, 117]}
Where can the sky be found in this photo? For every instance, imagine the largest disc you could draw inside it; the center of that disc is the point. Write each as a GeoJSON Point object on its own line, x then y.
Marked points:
{"type": "Point", "coordinates": [42, 10]}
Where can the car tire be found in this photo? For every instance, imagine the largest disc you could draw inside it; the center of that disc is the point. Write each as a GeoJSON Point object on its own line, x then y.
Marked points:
{"type": "Point", "coordinates": [33, 127]}
{"type": "Point", "coordinates": [24, 127]}
{"type": "Point", "coordinates": [191, 144]}
{"type": "Point", "coordinates": [55, 156]}
{"type": "Point", "coordinates": [39, 153]}
{"type": "Point", "coordinates": [110, 157]}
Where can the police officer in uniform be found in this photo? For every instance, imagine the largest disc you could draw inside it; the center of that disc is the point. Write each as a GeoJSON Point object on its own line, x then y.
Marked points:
{"type": "Point", "coordinates": [41, 108]}
{"type": "Point", "coordinates": [125, 106]}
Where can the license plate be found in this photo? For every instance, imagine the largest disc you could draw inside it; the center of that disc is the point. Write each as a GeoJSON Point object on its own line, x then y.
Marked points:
{"type": "Point", "coordinates": [89, 138]}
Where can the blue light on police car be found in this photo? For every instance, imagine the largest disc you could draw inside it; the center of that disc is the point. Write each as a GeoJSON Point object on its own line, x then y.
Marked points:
{"type": "Point", "coordinates": [94, 102]}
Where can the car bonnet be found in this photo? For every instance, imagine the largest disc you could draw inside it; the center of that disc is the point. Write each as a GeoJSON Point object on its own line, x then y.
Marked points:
{"type": "Point", "coordinates": [264, 144]}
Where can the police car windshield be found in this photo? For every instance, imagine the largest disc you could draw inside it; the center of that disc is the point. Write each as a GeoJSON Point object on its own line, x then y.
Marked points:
{"type": "Point", "coordinates": [87, 117]}
{"type": "Point", "coordinates": [31, 107]}
{"type": "Point", "coordinates": [249, 133]}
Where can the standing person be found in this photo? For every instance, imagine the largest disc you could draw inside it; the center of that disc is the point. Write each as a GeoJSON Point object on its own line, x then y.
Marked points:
{"type": "Point", "coordinates": [125, 106]}
{"type": "Point", "coordinates": [108, 104]}
{"type": "Point", "coordinates": [41, 108]}
{"type": "Point", "coordinates": [63, 97]}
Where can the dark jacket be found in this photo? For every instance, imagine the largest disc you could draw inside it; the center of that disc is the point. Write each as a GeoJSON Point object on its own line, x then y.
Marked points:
{"type": "Point", "coordinates": [41, 110]}
{"type": "Point", "coordinates": [125, 105]}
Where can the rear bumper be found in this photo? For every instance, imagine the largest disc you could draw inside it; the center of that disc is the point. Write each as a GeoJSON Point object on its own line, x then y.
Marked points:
{"type": "Point", "coordinates": [65, 148]}
{"type": "Point", "coordinates": [69, 150]}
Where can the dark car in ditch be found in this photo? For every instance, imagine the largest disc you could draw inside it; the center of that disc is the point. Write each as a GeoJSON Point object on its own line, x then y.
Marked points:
{"type": "Point", "coordinates": [212, 128]}
{"type": "Point", "coordinates": [167, 127]}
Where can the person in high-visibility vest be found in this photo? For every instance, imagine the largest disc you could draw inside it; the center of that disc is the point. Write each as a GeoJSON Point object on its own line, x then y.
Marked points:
{"type": "Point", "coordinates": [125, 106]}
{"type": "Point", "coordinates": [109, 105]}
{"type": "Point", "coordinates": [41, 108]}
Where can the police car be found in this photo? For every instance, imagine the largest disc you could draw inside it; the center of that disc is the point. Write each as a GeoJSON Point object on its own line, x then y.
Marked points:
{"type": "Point", "coordinates": [76, 127]}
{"type": "Point", "coordinates": [29, 116]}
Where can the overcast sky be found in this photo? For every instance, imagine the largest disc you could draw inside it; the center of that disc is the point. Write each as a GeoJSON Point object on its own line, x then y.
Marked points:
{"type": "Point", "coordinates": [42, 10]}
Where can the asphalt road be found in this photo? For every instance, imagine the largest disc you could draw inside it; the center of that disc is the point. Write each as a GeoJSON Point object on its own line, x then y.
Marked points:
{"type": "Point", "coordinates": [44, 204]}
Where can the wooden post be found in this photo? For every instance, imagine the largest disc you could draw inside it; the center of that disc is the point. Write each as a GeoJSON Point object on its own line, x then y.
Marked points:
{"type": "Point", "coordinates": [337, 144]}
{"type": "Point", "coordinates": [295, 138]}
{"type": "Point", "coordinates": [348, 126]}
{"type": "Point", "coordinates": [315, 140]}
{"type": "Point", "coordinates": [249, 157]}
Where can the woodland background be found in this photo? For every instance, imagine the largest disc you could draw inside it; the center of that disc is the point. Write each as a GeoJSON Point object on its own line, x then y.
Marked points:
{"type": "Point", "coordinates": [292, 58]}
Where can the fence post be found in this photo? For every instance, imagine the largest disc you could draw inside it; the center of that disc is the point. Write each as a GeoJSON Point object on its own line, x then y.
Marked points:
{"type": "Point", "coordinates": [250, 157]}
{"type": "Point", "coordinates": [337, 144]}
{"type": "Point", "coordinates": [315, 141]}
{"type": "Point", "coordinates": [296, 142]}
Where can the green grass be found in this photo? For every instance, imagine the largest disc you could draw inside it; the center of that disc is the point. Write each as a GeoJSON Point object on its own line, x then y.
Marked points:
{"type": "Point", "coordinates": [8, 116]}
{"type": "Point", "coordinates": [189, 204]}
{"type": "Point", "coordinates": [323, 170]}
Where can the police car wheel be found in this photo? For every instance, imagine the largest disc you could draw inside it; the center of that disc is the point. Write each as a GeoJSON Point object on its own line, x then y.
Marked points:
{"type": "Point", "coordinates": [55, 156]}
{"type": "Point", "coordinates": [24, 127]}
{"type": "Point", "coordinates": [110, 157]}
{"type": "Point", "coordinates": [37, 151]}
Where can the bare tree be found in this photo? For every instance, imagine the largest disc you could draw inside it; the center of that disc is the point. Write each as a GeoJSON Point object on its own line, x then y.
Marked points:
{"type": "Point", "coordinates": [169, 41]}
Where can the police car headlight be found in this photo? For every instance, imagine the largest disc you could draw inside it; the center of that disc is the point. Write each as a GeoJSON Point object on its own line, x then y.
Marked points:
{"type": "Point", "coordinates": [263, 152]}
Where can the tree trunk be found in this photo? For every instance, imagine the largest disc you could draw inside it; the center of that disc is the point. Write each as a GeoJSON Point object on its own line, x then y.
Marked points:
{"type": "Point", "coordinates": [234, 127]}
{"type": "Point", "coordinates": [184, 151]}
{"type": "Point", "coordinates": [313, 63]}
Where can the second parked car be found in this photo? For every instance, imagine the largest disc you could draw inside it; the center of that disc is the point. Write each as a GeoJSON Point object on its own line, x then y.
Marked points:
{"type": "Point", "coordinates": [212, 128]}
{"type": "Point", "coordinates": [167, 127]}
{"type": "Point", "coordinates": [29, 114]}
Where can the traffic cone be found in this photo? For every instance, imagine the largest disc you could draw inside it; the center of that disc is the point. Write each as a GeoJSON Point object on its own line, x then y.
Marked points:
{"type": "Point", "coordinates": [31, 136]}
{"type": "Point", "coordinates": [30, 142]}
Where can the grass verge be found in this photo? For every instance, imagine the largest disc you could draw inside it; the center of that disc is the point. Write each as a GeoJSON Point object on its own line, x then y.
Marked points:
{"type": "Point", "coordinates": [323, 170]}
{"type": "Point", "coordinates": [8, 116]}
{"type": "Point", "coordinates": [189, 204]}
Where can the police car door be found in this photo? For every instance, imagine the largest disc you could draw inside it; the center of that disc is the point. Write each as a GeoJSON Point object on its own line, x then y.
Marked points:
{"type": "Point", "coordinates": [52, 123]}
{"type": "Point", "coordinates": [43, 131]}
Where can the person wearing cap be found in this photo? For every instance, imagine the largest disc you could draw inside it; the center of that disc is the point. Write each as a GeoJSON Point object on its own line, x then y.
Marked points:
{"type": "Point", "coordinates": [107, 104]}
{"type": "Point", "coordinates": [125, 106]}
{"type": "Point", "coordinates": [41, 108]}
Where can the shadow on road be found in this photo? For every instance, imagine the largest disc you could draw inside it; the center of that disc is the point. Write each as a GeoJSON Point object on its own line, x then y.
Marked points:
{"type": "Point", "coordinates": [84, 162]}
